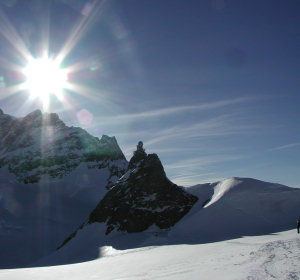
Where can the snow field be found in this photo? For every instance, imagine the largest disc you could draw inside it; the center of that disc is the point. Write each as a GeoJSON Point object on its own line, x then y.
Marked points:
{"type": "Point", "coordinates": [274, 256]}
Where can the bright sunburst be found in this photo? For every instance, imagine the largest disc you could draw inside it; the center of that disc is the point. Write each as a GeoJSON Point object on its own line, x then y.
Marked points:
{"type": "Point", "coordinates": [43, 78]}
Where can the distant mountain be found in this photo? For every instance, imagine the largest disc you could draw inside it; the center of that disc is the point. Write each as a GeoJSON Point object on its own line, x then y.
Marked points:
{"type": "Point", "coordinates": [51, 177]}
{"type": "Point", "coordinates": [40, 144]}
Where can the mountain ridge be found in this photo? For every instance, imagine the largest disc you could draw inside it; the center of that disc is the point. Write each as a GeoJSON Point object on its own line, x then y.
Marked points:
{"type": "Point", "coordinates": [40, 143]}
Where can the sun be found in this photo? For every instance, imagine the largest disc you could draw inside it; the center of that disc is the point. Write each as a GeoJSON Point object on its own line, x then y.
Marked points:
{"type": "Point", "coordinates": [45, 77]}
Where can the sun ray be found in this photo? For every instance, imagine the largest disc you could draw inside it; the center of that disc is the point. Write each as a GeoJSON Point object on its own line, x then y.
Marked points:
{"type": "Point", "coordinates": [79, 30]}
{"type": "Point", "coordinates": [46, 33]}
{"type": "Point", "coordinates": [8, 91]}
{"type": "Point", "coordinates": [10, 65]}
{"type": "Point", "coordinates": [10, 33]}
{"type": "Point", "coordinates": [27, 105]}
{"type": "Point", "coordinates": [82, 90]}
{"type": "Point", "coordinates": [90, 92]}
{"type": "Point", "coordinates": [78, 66]}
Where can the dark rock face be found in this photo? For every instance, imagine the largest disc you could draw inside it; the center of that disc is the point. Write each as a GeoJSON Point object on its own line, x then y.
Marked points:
{"type": "Point", "coordinates": [143, 197]}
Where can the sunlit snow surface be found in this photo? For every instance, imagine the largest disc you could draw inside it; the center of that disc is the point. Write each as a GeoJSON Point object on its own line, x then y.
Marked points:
{"type": "Point", "coordinates": [274, 256]}
{"type": "Point", "coordinates": [207, 243]}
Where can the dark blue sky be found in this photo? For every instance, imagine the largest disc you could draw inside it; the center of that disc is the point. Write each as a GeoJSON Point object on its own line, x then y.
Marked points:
{"type": "Point", "coordinates": [211, 86]}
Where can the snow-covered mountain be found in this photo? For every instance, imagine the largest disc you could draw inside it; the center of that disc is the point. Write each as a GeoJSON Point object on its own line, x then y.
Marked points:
{"type": "Point", "coordinates": [225, 210]}
{"type": "Point", "coordinates": [41, 144]}
{"type": "Point", "coordinates": [51, 177]}
{"type": "Point", "coordinates": [54, 178]}
{"type": "Point", "coordinates": [237, 207]}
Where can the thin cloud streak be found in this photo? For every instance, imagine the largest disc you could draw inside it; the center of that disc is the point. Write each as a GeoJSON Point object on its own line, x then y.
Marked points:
{"type": "Point", "coordinates": [288, 146]}
{"type": "Point", "coordinates": [198, 170]}
{"type": "Point", "coordinates": [189, 182]}
{"type": "Point", "coordinates": [218, 126]}
{"type": "Point", "coordinates": [186, 175]}
{"type": "Point", "coordinates": [222, 125]}
{"type": "Point", "coordinates": [176, 110]}
{"type": "Point", "coordinates": [201, 162]}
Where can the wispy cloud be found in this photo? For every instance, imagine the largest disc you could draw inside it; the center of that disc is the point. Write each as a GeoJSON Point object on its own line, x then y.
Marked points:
{"type": "Point", "coordinates": [217, 126]}
{"type": "Point", "coordinates": [177, 137]}
{"type": "Point", "coordinates": [288, 146]}
{"type": "Point", "coordinates": [169, 139]}
{"type": "Point", "coordinates": [176, 110]}
{"type": "Point", "coordinates": [202, 161]}
{"type": "Point", "coordinates": [198, 170]}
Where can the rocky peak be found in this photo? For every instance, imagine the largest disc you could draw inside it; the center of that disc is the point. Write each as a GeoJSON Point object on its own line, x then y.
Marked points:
{"type": "Point", "coordinates": [36, 114]}
{"type": "Point", "coordinates": [142, 197]}
{"type": "Point", "coordinates": [52, 119]}
{"type": "Point", "coordinates": [107, 139]}
{"type": "Point", "coordinates": [38, 119]}
{"type": "Point", "coordinates": [110, 143]}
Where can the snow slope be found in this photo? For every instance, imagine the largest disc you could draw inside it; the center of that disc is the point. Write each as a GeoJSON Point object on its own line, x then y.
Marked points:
{"type": "Point", "coordinates": [236, 207]}
{"type": "Point", "coordinates": [51, 178]}
{"type": "Point", "coordinates": [273, 256]}
{"type": "Point", "coordinates": [225, 210]}
{"type": "Point", "coordinates": [36, 218]}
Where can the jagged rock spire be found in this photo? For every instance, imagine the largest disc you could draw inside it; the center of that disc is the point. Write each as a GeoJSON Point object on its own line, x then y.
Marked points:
{"type": "Point", "coordinates": [144, 196]}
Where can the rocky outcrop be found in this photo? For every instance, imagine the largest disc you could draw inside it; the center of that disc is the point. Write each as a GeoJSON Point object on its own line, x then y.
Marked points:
{"type": "Point", "coordinates": [142, 197]}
